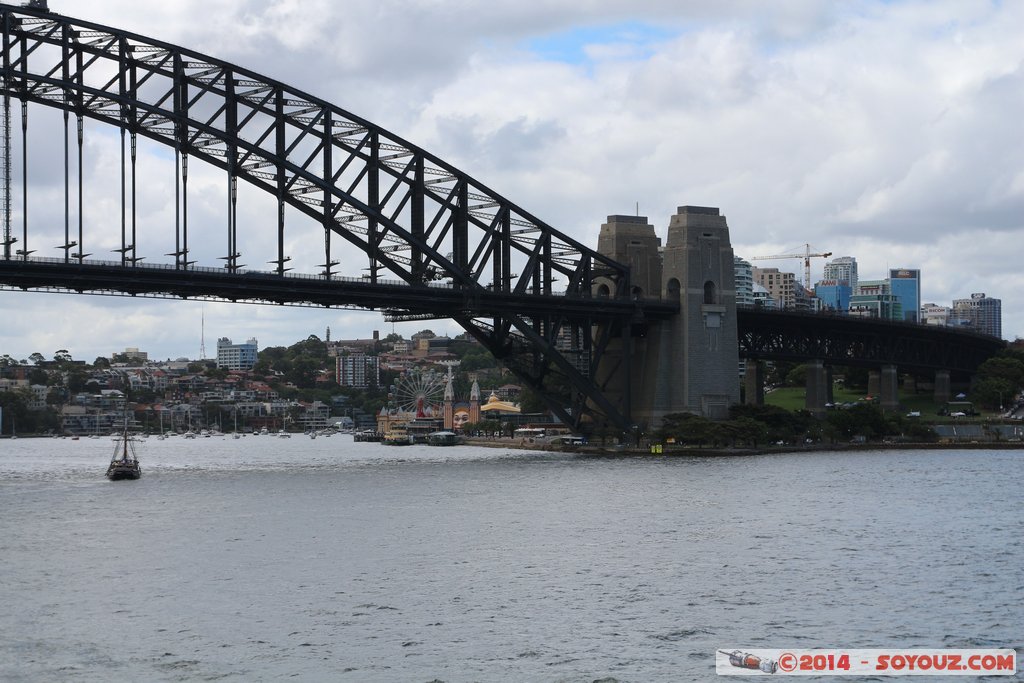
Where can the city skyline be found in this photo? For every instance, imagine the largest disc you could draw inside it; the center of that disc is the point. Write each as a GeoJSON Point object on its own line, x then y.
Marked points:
{"type": "Point", "coordinates": [909, 159]}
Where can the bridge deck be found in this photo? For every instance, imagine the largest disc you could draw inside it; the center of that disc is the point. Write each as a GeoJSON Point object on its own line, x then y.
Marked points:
{"type": "Point", "coordinates": [436, 299]}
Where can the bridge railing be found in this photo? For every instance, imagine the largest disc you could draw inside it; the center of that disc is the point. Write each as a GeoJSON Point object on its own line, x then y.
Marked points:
{"type": "Point", "coordinates": [242, 272]}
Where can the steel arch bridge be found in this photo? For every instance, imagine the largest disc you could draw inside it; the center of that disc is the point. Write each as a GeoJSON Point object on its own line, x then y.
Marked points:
{"type": "Point", "coordinates": [434, 242]}
{"type": "Point", "coordinates": [850, 341]}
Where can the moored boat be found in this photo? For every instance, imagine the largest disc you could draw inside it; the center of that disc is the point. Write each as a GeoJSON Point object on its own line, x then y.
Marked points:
{"type": "Point", "coordinates": [367, 435]}
{"type": "Point", "coordinates": [443, 439]}
{"type": "Point", "coordinates": [397, 436]}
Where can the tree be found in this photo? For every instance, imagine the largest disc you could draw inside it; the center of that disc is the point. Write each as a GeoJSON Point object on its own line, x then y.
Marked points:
{"type": "Point", "coordinates": [797, 376]}
{"type": "Point", "coordinates": [1005, 368]}
{"type": "Point", "coordinates": [303, 372]}
{"type": "Point", "coordinates": [216, 373]}
{"type": "Point", "coordinates": [15, 406]}
{"type": "Point", "coordinates": [63, 357]}
{"type": "Point", "coordinates": [781, 424]}
{"type": "Point", "coordinates": [856, 378]}
{"type": "Point", "coordinates": [101, 362]}
{"type": "Point", "coordinates": [747, 430]}
{"type": "Point", "coordinates": [863, 419]}
{"type": "Point", "coordinates": [689, 428]}
{"type": "Point", "coordinates": [531, 402]}
{"type": "Point", "coordinates": [477, 358]}
{"type": "Point", "coordinates": [311, 346]}
{"type": "Point", "coordinates": [56, 396]}
{"type": "Point", "coordinates": [993, 392]}
{"type": "Point", "coordinates": [77, 379]}
{"type": "Point", "coordinates": [37, 358]}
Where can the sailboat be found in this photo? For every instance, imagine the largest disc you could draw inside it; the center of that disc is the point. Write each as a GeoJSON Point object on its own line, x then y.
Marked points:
{"type": "Point", "coordinates": [124, 464]}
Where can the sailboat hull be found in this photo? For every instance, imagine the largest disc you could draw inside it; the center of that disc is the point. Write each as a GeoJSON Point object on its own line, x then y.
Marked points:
{"type": "Point", "coordinates": [123, 470]}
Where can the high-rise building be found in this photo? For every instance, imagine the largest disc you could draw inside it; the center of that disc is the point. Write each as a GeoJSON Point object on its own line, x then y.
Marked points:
{"type": "Point", "coordinates": [836, 286]}
{"type": "Point", "coordinates": [744, 274]}
{"type": "Point", "coordinates": [842, 269]}
{"type": "Point", "coordinates": [357, 370]}
{"type": "Point", "coordinates": [874, 299]}
{"type": "Point", "coordinates": [781, 286]}
{"type": "Point", "coordinates": [933, 314]}
{"type": "Point", "coordinates": [236, 356]}
{"type": "Point", "coordinates": [905, 284]}
{"type": "Point", "coordinates": [980, 312]}
{"type": "Point", "coordinates": [834, 295]}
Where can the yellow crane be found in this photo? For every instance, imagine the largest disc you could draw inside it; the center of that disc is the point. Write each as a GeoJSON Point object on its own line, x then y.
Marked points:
{"type": "Point", "coordinates": [806, 256]}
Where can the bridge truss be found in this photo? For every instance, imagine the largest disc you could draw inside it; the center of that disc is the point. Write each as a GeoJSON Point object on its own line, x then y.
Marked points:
{"type": "Point", "coordinates": [434, 242]}
{"type": "Point", "coordinates": [859, 342]}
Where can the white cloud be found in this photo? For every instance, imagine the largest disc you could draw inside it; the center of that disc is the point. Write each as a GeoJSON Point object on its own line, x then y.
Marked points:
{"type": "Point", "coordinates": [889, 131]}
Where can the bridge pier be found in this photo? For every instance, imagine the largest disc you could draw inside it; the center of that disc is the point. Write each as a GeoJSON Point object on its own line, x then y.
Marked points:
{"type": "Point", "coordinates": [889, 397]}
{"type": "Point", "coordinates": [687, 364]}
{"type": "Point", "coordinates": [817, 390]}
{"type": "Point", "coordinates": [943, 387]}
{"type": "Point", "coordinates": [874, 383]}
{"type": "Point", "coordinates": [753, 384]}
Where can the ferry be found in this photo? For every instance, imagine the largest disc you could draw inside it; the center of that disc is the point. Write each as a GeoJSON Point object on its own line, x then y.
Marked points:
{"type": "Point", "coordinates": [443, 439]}
{"type": "Point", "coordinates": [397, 436]}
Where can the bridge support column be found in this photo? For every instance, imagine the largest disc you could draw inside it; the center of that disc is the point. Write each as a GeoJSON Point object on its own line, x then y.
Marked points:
{"type": "Point", "coordinates": [753, 384]}
{"type": "Point", "coordinates": [817, 392]}
{"type": "Point", "coordinates": [889, 394]}
{"type": "Point", "coordinates": [689, 363]}
{"type": "Point", "coordinates": [942, 386]}
{"type": "Point", "coordinates": [874, 383]}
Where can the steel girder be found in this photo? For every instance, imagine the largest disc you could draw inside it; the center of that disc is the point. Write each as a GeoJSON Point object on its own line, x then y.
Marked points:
{"type": "Point", "coordinates": [415, 217]}
{"type": "Point", "coordinates": [845, 340]}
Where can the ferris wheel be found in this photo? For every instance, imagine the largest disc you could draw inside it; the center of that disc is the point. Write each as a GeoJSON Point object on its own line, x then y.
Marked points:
{"type": "Point", "coordinates": [420, 392]}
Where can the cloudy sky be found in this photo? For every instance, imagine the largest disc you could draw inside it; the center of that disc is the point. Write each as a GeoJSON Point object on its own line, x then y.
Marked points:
{"type": "Point", "coordinates": [888, 131]}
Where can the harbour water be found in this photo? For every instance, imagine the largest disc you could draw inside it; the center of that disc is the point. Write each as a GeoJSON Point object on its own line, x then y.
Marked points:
{"type": "Point", "coordinates": [265, 559]}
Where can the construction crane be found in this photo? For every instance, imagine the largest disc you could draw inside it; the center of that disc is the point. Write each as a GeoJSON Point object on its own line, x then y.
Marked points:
{"type": "Point", "coordinates": [806, 256]}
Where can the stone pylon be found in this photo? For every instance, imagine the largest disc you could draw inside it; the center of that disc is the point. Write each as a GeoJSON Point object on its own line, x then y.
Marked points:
{"type": "Point", "coordinates": [689, 363]}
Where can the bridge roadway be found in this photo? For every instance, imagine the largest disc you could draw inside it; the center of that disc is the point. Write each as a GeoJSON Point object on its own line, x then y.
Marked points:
{"type": "Point", "coordinates": [764, 335]}
{"type": "Point", "coordinates": [436, 299]}
{"type": "Point", "coordinates": [861, 342]}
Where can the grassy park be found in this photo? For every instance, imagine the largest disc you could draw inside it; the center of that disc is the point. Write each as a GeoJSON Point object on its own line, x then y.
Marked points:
{"type": "Point", "coordinates": [792, 398]}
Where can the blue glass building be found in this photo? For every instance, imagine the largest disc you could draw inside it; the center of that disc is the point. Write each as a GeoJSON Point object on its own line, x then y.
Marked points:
{"type": "Point", "coordinates": [905, 284]}
{"type": "Point", "coordinates": [834, 294]}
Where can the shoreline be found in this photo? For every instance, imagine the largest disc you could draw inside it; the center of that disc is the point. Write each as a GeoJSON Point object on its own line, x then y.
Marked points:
{"type": "Point", "coordinates": [676, 451]}
{"type": "Point", "coordinates": [616, 451]}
